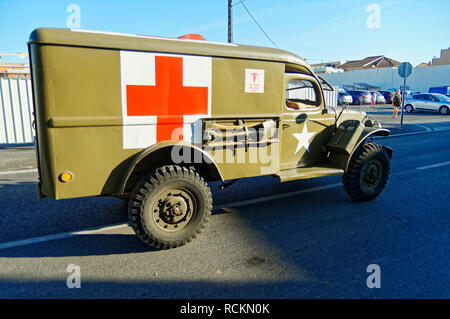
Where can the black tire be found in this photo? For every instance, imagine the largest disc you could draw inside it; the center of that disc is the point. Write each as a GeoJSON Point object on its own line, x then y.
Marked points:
{"type": "Point", "coordinates": [443, 110]}
{"type": "Point", "coordinates": [409, 108]}
{"type": "Point", "coordinates": [367, 173]}
{"type": "Point", "coordinates": [169, 207]}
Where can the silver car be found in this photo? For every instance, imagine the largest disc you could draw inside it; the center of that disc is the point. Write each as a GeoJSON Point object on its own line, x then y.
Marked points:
{"type": "Point", "coordinates": [344, 98]}
{"type": "Point", "coordinates": [433, 102]}
{"type": "Point", "coordinates": [360, 96]}
{"type": "Point", "coordinates": [380, 98]}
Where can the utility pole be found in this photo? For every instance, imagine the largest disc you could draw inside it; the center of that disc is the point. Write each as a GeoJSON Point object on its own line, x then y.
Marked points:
{"type": "Point", "coordinates": [230, 24]}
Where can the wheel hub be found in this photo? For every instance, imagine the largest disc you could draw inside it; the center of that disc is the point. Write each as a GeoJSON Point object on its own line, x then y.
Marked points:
{"type": "Point", "coordinates": [371, 174]}
{"type": "Point", "coordinates": [173, 209]}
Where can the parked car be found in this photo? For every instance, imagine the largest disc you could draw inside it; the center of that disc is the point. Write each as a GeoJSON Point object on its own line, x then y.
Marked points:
{"type": "Point", "coordinates": [388, 95]}
{"type": "Point", "coordinates": [380, 98]}
{"type": "Point", "coordinates": [445, 90]}
{"type": "Point", "coordinates": [344, 98]}
{"type": "Point", "coordinates": [428, 102]}
{"type": "Point", "coordinates": [360, 96]}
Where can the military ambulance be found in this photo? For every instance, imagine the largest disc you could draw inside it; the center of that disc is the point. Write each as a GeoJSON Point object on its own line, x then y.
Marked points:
{"type": "Point", "coordinates": [152, 120]}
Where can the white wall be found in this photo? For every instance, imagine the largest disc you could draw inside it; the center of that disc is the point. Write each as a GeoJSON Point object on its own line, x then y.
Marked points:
{"type": "Point", "coordinates": [421, 79]}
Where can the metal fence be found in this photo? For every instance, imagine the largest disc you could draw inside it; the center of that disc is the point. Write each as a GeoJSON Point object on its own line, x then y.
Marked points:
{"type": "Point", "coordinates": [331, 97]}
{"type": "Point", "coordinates": [16, 108]}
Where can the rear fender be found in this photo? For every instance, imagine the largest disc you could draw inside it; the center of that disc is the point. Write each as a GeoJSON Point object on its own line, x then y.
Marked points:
{"type": "Point", "coordinates": [162, 154]}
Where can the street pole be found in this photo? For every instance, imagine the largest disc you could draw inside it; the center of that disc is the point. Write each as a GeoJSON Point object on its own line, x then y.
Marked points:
{"type": "Point", "coordinates": [403, 101]}
{"type": "Point", "coordinates": [230, 24]}
{"type": "Point", "coordinates": [404, 70]}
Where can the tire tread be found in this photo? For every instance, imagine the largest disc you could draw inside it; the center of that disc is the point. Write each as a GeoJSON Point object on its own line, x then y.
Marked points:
{"type": "Point", "coordinates": [151, 182]}
{"type": "Point", "coordinates": [351, 178]}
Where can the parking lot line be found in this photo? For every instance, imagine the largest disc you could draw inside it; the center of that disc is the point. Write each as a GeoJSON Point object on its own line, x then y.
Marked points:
{"type": "Point", "coordinates": [41, 239]}
{"type": "Point", "coordinates": [434, 165]}
{"type": "Point", "coordinates": [47, 238]}
{"type": "Point", "coordinates": [19, 171]}
{"type": "Point", "coordinates": [424, 127]}
{"type": "Point", "coordinates": [278, 196]}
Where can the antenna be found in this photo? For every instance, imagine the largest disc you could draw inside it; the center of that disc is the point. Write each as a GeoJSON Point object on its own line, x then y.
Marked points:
{"type": "Point", "coordinates": [230, 22]}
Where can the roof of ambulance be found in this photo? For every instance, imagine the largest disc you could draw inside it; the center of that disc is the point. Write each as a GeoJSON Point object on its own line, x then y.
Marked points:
{"type": "Point", "coordinates": [107, 40]}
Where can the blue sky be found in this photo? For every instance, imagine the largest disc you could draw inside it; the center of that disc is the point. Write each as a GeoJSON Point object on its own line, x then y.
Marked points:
{"type": "Point", "coordinates": [325, 30]}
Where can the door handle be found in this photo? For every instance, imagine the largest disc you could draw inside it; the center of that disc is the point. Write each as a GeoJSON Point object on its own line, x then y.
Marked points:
{"type": "Point", "coordinates": [285, 126]}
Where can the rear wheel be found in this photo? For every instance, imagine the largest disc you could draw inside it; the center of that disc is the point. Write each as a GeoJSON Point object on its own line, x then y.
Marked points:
{"type": "Point", "coordinates": [443, 110]}
{"type": "Point", "coordinates": [170, 206]}
{"type": "Point", "coordinates": [367, 173]}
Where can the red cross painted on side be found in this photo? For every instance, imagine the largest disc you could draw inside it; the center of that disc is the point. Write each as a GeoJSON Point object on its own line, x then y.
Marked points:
{"type": "Point", "coordinates": [168, 99]}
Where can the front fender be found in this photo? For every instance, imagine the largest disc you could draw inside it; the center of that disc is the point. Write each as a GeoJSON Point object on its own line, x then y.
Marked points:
{"type": "Point", "coordinates": [369, 132]}
{"type": "Point", "coordinates": [346, 140]}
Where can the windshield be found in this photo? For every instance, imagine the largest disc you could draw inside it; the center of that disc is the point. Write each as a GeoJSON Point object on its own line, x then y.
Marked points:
{"type": "Point", "coordinates": [442, 97]}
{"type": "Point", "coordinates": [325, 85]}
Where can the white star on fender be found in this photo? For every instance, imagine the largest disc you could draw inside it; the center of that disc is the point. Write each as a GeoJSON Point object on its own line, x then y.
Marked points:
{"type": "Point", "coordinates": [303, 138]}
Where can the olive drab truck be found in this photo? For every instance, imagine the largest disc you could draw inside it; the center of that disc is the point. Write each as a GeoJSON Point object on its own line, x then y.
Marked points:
{"type": "Point", "coordinates": [152, 120]}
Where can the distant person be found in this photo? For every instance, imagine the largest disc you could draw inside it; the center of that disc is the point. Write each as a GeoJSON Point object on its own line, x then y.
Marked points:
{"type": "Point", "coordinates": [396, 102]}
{"type": "Point", "coordinates": [374, 99]}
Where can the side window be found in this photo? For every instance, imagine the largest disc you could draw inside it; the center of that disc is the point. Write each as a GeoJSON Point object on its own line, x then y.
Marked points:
{"type": "Point", "coordinates": [301, 95]}
{"type": "Point", "coordinates": [427, 97]}
{"type": "Point", "coordinates": [435, 98]}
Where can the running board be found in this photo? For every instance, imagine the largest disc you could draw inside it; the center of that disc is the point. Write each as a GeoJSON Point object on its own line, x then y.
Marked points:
{"type": "Point", "coordinates": [308, 172]}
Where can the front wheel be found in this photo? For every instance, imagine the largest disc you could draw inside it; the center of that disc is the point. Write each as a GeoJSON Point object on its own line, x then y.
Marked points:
{"type": "Point", "coordinates": [170, 206]}
{"type": "Point", "coordinates": [367, 173]}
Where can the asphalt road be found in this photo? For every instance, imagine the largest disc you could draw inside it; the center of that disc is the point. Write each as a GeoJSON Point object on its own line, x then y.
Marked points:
{"type": "Point", "coordinates": [302, 239]}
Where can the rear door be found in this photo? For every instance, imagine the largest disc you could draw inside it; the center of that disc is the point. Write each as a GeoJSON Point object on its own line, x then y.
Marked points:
{"type": "Point", "coordinates": [418, 101]}
{"type": "Point", "coordinates": [306, 125]}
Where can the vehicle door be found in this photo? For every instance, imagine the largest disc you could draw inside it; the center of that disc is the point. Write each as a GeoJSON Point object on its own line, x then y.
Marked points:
{"type": "Point", "coordinates": [435, 103]}
{"type": "Point", "coordinates": [306, 124]}
{"type": "Point", "coordinates": [417, 101]}
{"type": "Point", "coordinates": [428, 102]}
